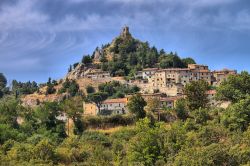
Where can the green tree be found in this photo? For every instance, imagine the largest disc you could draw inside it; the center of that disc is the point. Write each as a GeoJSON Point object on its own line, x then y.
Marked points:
{"type": "Point", "coordinates": [136, 106]}
{"type": "Point", "coordinates": [200, 115]}
{"type": "Point", "coordinates": [20, 152]}
{"type": "Point", "coordinates": [153, 105]}
{"type": "Point", "coordinates": [214, 154]}
{"type": "Point", "coordinates": [50, 89]}
{"type": "Point", "coordinates": [9, 112]}
{"type": "Point", "coordinates": [237, 116]}
{"type": "Point", "coordinates": [44, 150]}
{"type": "Point", "coordinates": [73, 108]}
{"type": "Point", "coordinates": [181, 109]}
{"type": "Point", "coordinates": [146, 148]}
{"type": "Point", "coordinates": [47, 116]}
{"type": "Point", "coordinates": [70, 68]}
{"type": "Point", "coordinates": [73, 89]}
{"type": "Point", "coordinates": [171, 60]}
{"type": "Point", "coordinates": [24, 87]}
{"type": "Point", "coordinates": [187, 61]}
{"type": "Point", "coordinates": [90, 89]}
{"type": "Point", "coordinates": [235, 88]}
{"type": "Point", "coordinates": [86, 59]}
{"type": "Point", "coordinates": [196, 95]}
{"type": "Point", "coordinates": [97, 98]}
{"type": "Point", "coordinates": [3, 81]}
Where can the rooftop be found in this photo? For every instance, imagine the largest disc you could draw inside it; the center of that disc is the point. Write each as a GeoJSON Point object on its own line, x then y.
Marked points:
{"type": "Point", "coordinates": [150, 69]}
{"type": "Point", "coordinates": [119, 100]}
{"type": "Point", "coordinates": [171, 98]}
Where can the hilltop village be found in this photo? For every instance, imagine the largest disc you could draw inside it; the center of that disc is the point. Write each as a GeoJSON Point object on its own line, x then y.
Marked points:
{"type": "Point", "coordinates": [163, 84]}
{"type": "Point", "coordinates": [166, 85]}
{"type": "Point", "coordinates": [128, 104]}
{"type": "Point", "coordinates": [132, 63]}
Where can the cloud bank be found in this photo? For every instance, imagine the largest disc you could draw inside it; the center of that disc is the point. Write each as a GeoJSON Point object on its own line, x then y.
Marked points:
{"type": "Point", "coordinates": [39, 39]}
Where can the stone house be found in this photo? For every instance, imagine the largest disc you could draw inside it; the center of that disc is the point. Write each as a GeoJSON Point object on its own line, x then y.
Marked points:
{"type": "Point", "coordinates": [89, 109]}
{"type": "Point", "coordinates": [116, 106]}
{"type": "Point", "coordinates": [200, 72]}
{"type": "Point", "coordinates": [109, 106]}
{"type": "Point", "coordinates": [211, 97]}
{"type": "Point", "coordinates": [169, 102]}
{"type": "Point", "coordinates": [148, 73]}
{"type": "Point", "coordinates": [220, 75]}
{"type": "Point", "coordinates": [96, 74]}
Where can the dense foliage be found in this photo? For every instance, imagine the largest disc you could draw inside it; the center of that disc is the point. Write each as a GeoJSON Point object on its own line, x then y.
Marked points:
{"type": "Point", "coordinates": [3, 83]}
{"type": "Point", "coordinates": [117, 90]}
{"type": "Point", "coordinates": [196, 95]}
{"type": "Point", "coordinates": [136, 106]}
{"type": "Point", "coordinates": [71, 87]}
{"type": "Point", "coordinates": [130, 55]}
{"type": "Point", "coordinates": [56, 134]}
{"type": "Point", "coordinates": [24, 87]}
{"type": "Point", "coordinates": [237, 87]}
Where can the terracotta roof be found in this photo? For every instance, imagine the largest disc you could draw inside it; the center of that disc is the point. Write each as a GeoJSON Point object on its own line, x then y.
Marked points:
{"type": "Point", "coordinates": [152, 94]}
{"type": "Point", "coordinates": [175, 69]}
{"type": "Point", "coordinates": [204, 71]}
{"type": "Point", "coordinates": [223, 71]}
{"type": "Point", "coordinates": [150, 69]}
{"type": "Point", "coordinates": [119, 100]}
{"type": "Point", "coordinates": [196, 65]}
{"type": "Point", "coordinates": [171, 98]}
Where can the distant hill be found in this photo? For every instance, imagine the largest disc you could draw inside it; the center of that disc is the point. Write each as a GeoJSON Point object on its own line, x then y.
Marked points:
{"type": "Point", "coordinates": [125, 55]}
{"type": "Point", "coordinates": [120, 59]}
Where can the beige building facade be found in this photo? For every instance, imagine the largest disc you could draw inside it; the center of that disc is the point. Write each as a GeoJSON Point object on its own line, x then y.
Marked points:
{"type": "Point", "coordinates": [109, 106]}
{"type": "Point", "coordinates": [172, 81]}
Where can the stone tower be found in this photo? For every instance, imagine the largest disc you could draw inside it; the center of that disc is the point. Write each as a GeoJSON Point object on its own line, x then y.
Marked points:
{"type": "Point", "coordinates": [125, 32]}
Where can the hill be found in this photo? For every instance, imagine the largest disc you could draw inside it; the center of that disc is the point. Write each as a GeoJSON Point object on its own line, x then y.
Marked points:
{"type": "Point", "coordinates": [116, 61]}
{"type": "Point", "coordinates": [125, 55]}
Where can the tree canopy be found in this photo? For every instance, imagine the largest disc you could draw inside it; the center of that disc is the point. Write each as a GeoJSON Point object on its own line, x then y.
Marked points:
{"type": "Point", "coordinates": [196, 94]}
{"type": "Point", "coordinates": [235, 88]}
{"type": "Point", "coordinates": [136, 106]}
{"type": "Point", "coordinates": [3, 81]}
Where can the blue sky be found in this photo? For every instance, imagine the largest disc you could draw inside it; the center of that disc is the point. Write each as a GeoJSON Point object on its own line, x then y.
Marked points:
{"type": "Point", "coordinates": [41, 38]}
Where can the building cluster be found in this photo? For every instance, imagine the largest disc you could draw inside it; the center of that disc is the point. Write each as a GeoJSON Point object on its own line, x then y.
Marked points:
{"type": "Point", "coordinates": [119, 105]}
{"type": "Point", "coordinates": [166, 85]}
{"type": "Point", "coordinates": [171, 81]}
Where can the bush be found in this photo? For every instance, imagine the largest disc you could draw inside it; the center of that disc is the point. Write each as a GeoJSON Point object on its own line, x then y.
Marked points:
{"type": "Point", "coordinates": [90, 89]}
{"type": "Point", "coordinates": [108, 121]}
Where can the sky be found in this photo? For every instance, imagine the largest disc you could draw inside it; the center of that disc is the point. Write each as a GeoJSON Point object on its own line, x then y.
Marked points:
{"type": "Point", "coordinates": [41, 38]}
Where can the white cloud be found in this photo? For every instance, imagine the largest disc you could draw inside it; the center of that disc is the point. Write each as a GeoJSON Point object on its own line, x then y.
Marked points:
{"type": "Point", "coordinates": [185, 2]}
{"type": "Point", "coordinates": [21, 15]}
{"type": "Point", "coordinates": [27, 30]}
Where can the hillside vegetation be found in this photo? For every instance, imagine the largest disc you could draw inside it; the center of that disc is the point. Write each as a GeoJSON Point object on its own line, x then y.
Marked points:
{"type": "Point", "coordinates": [55, 132]}
{"type": "Point", "coordinates": [200, 135]}
{"type": "Point", "coordinates": [126, 55]}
